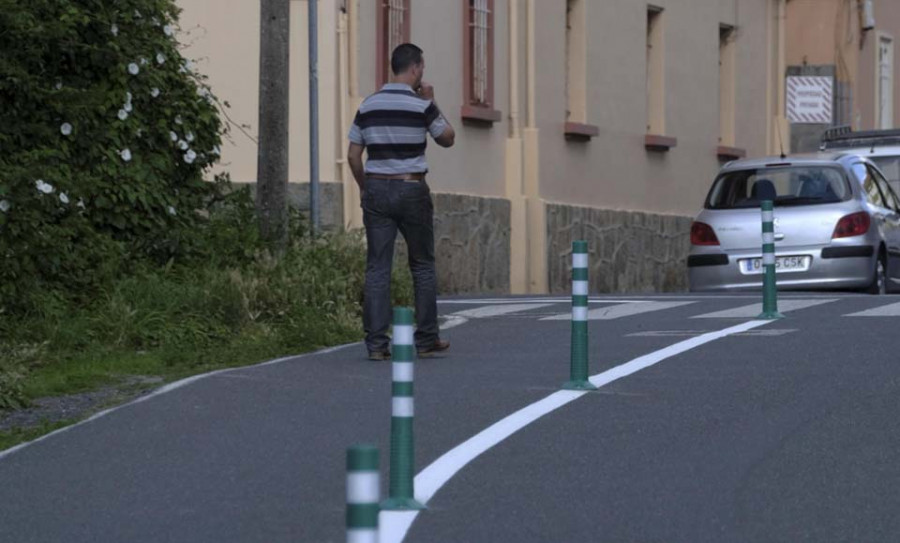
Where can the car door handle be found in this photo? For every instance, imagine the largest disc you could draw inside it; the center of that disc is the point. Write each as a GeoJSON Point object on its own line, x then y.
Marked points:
{"type": "Point", "coordinates": [779, 236]}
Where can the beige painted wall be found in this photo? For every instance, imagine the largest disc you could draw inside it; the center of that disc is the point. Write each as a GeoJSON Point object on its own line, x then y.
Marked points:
{"type": "Point", "coordinates": [223, 37]}
{"type": "Point", "coordinates": [828, 32]}
{"type": "Point", "coordinates": [614, 170]}
{"type": "Point", "coordinates": [887, 21]}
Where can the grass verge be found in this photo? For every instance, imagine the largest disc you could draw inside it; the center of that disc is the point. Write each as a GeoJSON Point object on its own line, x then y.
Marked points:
{"type": "Point", "coordinates": [174, 322]}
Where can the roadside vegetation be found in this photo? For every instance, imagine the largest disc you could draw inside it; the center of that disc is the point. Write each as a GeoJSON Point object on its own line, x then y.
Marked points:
{"type": "Point", "coordinates": [121, 263]}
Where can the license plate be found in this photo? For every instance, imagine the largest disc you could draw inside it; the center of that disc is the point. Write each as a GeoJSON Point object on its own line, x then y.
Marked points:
{"type": "Point", "coordinates": [783, 264]}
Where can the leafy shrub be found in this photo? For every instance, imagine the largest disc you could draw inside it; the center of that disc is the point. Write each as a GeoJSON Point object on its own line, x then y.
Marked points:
{"type": "Point", "coordinates": [105, 132]}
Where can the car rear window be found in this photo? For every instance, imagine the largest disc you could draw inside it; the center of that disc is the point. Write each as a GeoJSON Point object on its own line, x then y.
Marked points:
{"type": "Point", "coordinates": [790, 186]}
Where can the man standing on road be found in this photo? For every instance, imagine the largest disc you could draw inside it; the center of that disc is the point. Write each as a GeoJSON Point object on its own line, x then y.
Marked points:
{"type": "Point", "coordinates": [393, 125]}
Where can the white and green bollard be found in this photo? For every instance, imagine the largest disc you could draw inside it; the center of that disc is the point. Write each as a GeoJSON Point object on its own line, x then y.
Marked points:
{"type": "Point", "coordinates": [363, 488]}
{"type": "Point", "coordinates": [401, 491]}
{"type": "Point", "coordinates": [770, 289]}
{"type": "Point", "coordinates": [578, 364]}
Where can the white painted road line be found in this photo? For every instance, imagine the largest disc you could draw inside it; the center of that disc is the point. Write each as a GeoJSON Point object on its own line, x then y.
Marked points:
{"type": "Point", "coordinates": [890, 310]}
{"type": "Point", "coordinates": [620, 310]}
{"type": "Point", "coordinates": [753, 310]}
{"type": "Point", "coordinates": [497, 310]}
{"type": "Point", "coordinates": [503, 301]}
{"type": "Point", "coordinates": [395, 525]}
{"type": "Point", "coordinates": [769, 332]}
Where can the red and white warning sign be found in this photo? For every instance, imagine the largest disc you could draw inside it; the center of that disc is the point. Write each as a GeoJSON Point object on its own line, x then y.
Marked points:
{"type": "Point", "coordinates": [809, 99]}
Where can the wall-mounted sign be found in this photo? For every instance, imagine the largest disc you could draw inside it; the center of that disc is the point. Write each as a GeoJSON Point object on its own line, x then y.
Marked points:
{"type": "Point", "coordinates": [809, 99]}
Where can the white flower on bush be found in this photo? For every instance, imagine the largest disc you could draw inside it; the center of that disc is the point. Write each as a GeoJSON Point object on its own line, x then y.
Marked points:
{"type": "Point", "coordinates": [59, 85]}
{"type": "Point", "coordinates": [4, 206]}
{"type": "Point", "coordinates": [143, 61]}
{"type": "Point", "coordinates": [46, 188]}
{"type": "Point", "coordinates": [80, 203]}
{"type": "Point", "coordinates": [137, 14]}
{"type": "Point", "coordinates": [160, 58]}
{"type": "Point", "coordinates": [178, 120]}
{"type": "Point", "coordinates": [173, 136]}
{"type": "Point", "coordinates": [190, 156]}
{"type": "Point", "coordinates": [66, 129]}
{"type": "Point", "coordinates": [154, 92]}
{"type": "Point", "coordinates": [168, 30]}
{"type": "Point", "coordinates": [134, 69]}
{"type": "Point", "coordinates": [128, 97]}
{"type": "Point", "coordinates": [63, 197]}
{"type": "Point", "coordinates": [114, 29]}
{"type": "Point", "coordinates": [183, 145]}
{"type": "Point", "coordinates": [125, 154]}
{"type": "Point", "coordinates": [128, 107]}
{"type": "Point", "coordinates": [123, 114]}
{"type": "Point", "coordinates": [171, 211]}
{"type": "Point", "coordinates": [189, 137]}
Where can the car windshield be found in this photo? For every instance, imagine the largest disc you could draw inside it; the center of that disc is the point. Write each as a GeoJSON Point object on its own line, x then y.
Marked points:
{"type": "Point", "coordinates": [787, 186]}
{"type": "Point", "coordinates": [890, 167]}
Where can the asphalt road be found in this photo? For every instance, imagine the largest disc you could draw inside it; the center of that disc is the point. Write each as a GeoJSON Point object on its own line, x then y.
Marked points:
{"type": "Point", "coordinates": [786, 431]}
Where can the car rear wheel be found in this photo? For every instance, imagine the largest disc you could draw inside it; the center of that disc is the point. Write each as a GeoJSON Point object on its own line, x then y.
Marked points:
{"type": "Point", "coordinates": [879, 277]}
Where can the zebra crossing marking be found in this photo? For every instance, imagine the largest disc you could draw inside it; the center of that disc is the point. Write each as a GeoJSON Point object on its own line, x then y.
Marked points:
{"type": "Point", "coordinates": [752, 310]}
{"type": "Point", "coordinates": [620, 310]}
{"type": "Point", "coordinates": [498, 310]}
{"type": "Point", "coordinates": [890, 310]}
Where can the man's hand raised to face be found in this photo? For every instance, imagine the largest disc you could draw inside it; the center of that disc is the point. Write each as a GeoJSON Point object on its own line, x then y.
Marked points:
{"type": "Point", "coordinates": [426, 91]}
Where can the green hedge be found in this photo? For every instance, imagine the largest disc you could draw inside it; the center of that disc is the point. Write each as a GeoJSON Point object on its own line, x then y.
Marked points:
{"type": "Point", "coordinates": [105, 133]}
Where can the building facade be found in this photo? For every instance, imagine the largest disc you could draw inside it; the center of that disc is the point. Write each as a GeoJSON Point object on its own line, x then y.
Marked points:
{"type": "Point", "coordinates": [849, 43]}
{"type": "Point", "coordinates": [576, 119]}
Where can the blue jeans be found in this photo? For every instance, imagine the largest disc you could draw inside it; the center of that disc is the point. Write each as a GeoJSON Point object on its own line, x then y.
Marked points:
{"type": "Point", "coordinates": [390, 205]}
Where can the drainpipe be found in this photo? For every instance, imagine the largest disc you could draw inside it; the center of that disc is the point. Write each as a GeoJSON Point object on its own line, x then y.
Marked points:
{"type": "Point", "coordinates": [349, 102]}
{"type": "Point", "coordinates": [518, 218]}
{"type": "Point", "coordinates": [535, 209]}
{"type": "Point", "coordinates": [530, 66]}
{"type": "Point", "coordinates": [782, 126]}
{"type": "Point", "coordinates": [513, 16]}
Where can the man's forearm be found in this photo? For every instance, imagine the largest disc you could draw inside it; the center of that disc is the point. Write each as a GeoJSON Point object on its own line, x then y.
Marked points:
{"type": "Point", "coordinates": [354, 159]}
{"type": "Point", "coordinates": [356, 166]}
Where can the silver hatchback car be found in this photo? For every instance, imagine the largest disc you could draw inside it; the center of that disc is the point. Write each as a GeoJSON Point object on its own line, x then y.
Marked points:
{"type": "Point", "coordinates": [837, 226]}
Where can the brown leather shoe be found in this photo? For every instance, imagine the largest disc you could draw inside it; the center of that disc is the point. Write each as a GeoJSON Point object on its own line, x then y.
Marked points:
{"type": "Point", "coordinates": [438, 346]}
{"type": "Point", "coordinates": [379, 356]}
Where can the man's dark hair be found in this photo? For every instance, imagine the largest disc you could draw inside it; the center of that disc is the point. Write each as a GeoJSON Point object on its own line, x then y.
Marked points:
{"type": "Point", "coordinates": [404, 56]}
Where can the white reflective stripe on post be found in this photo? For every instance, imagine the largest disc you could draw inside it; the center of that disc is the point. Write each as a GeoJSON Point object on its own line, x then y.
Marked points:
{"type": "Point", "coordinates": [362, 535]}
{"type": "Point", "coordinates": [403, 334]}
{"type": "Point", "coordinates": [768, 237]}
{"type": "Point", "coordinates": [403, 372]}
{"type": "Point", "coordinates": [579, 313]}
{"type": "Point", "coordinates": [579, 288]}
{"type": "Point", "coordinates": [768, 216]}
{"type": "Point", "coordinates": [579, 260]}
{"type": "Point", "coordinates": [402, 406]}
{"type": "Point", "coordinates": [768, 259]}
{"type": "Point", "coordinates": [362, 487]}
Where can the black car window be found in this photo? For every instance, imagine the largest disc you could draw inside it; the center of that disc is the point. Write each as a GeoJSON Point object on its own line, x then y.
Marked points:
{"type": "Point", "coordinates": [889, 197]}
{"type": "Point", "coordinates": [890, 167]}
{"type": "Point", "coordinates": [869, 185]}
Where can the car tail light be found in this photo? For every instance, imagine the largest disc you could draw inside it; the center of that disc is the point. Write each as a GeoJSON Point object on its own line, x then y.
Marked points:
{"type": "Point", "coordinates": [855, 224]}
{"type": "Point", "coordinates": [702, 234]}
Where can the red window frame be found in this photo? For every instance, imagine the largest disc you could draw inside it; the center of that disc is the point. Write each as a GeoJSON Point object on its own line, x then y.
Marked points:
{"type": "Point", "coordinates": [478, 106]}
{"type": "Point", "coordinates": [383, 36]}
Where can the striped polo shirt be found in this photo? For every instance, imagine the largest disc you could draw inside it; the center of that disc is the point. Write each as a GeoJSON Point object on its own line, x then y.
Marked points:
{"type": "Point", "coordinates": [392, 125]}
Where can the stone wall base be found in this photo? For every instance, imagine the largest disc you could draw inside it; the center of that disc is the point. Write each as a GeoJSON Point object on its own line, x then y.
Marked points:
{"type": "Point", "coordinates": [630, 251]}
